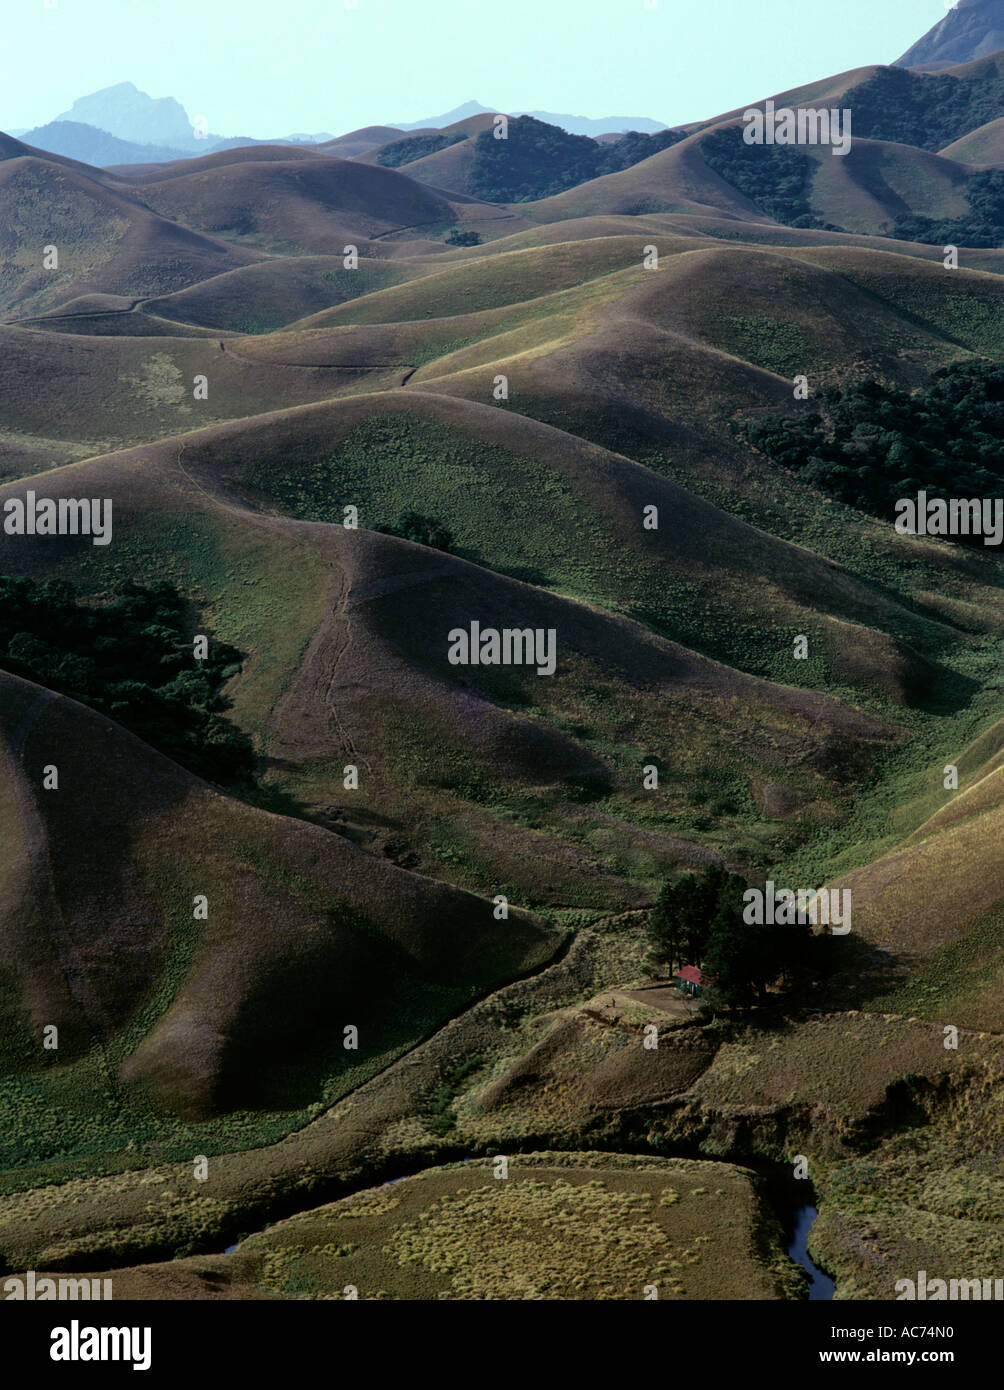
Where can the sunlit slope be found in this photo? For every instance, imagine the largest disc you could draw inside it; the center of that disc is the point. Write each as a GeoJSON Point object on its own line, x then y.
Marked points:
{"type": "Point", "coordinates": [875, 182]}
{"type": "Point", "coordinates": [495, 479]}
{"type": "Point", "coordinates": [578, 229]}
{"type": "Point", "coordinates": [983, 146]}
{"type": "Point", "coordinates": [493, 281]}
{"type": "Point", "coordinates": [712, 228]}
{"type": "Point", "coordinates": [673, 180]}
{"type": "Point", "coordinates": [280, 292]}
{"type": "Point", "coordinates": [537, 777]}
{"type": "Point", "coordinates": [962, 309]}
{"type": "Point", "coordinates": [617, 330]}
{"type": "Point", "coordinates": [713, 334]}
{"type": "Point", "coordinates": [939, 883]}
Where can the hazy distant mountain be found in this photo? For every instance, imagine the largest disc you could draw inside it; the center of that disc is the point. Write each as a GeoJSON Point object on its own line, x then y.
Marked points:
{"type": "Point", "coordinates": [97, 147]}
{"type": "Point", "coordinates": [575, 125]}
{"type": "Point", "coordinates": [603, 125]}
{"type": "Point", "coordinates": [92, 146]}
{"type": "Point", "coordinates": [123, 110]}
{"type": "Point", "coordinates": [973, 29]}
{"type": "Point", "coordinates": [156, 128]}
{"type": "Point", "coordinates": [459, 113]}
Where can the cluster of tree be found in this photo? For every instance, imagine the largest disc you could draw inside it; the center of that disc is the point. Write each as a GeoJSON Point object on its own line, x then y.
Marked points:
{"type": "Point", "coordinates": [679, 924]}
{"type": "Point", "coordinates": [929, 110]}
{"type": "Point", "coordinates": [538, 160]}
{"type": "Point", "coordinates": [983, 225]}
{"type": "Point", "coordinates": [871, 444]}
{"type": "Point", "coordinates": [403, 152]}
{"type": "Point", "coordinates": [134, 660]}
{"type": "Point", "coordinates": [778, 178]}
{"type": "Point", "coordinates": [698, 920]}
{"type": "Point", "coordinates": [459, 238]}
{"type": "Point", "coordinates": [425, 530]}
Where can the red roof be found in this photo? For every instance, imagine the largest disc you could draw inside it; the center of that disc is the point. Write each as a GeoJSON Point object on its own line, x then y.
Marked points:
{"type": "Point", "coordinates": [691, 974]}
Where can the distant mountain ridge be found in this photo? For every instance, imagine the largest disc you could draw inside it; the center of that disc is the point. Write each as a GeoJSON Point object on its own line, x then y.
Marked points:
{"type": "Point", "coordinates": [972, 29]}
{"type": "Point", "coordinates": [121, 125]}
{"type": "Point", "coordinates": [575, 125]}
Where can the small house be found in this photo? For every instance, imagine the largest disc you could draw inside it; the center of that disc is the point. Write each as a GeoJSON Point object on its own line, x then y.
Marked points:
{"type": "Point", "coordinates": [690, 980]}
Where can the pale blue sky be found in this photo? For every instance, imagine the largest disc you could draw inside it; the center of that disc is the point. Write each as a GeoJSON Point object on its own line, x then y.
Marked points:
{"type": "Point", "coordinates": [270, 67]}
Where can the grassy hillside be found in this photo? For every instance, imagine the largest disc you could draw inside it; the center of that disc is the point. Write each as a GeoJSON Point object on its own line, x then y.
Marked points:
{"type": "Point", "coordinates": [294, 206]}
{"type": "Point", "coordinates": [186, 1017]}
{"type": "Point", "coordinates": [537, 790]}
{"type": "Point", "coordinates": [982, 146]}
{"type": "Point", "coordinates": [105, 240]}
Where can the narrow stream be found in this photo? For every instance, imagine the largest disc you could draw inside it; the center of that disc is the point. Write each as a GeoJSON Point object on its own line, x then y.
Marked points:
{"type": "Point", "coordinates": [794, 1204]}
{"type": "Point", "coordinates": [821, 1286]}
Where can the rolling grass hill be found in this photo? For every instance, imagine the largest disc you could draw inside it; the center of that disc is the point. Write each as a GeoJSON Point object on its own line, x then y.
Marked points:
{"type": "Point", "coordinates": [629, 369]}
{"type": "Point", "coordinates": [310, 204]}
{"type": "Point", "coordinates": [674, 180]}
{"type": "Point", "coordinates": [107, 241]}
{"type": "Point", "coordinates": [225, 159]}
{"type": "Point", "coordinates": [984, 146]}
{"type": "Point", "coordinates": [273, 294]}
{"type": "Point", "coordinates": [867, 189]}
{"type": "Point", "coordinates": [557, 771]}
{"type": "Point", "coordinates": [188, 1017]}
{"type": "Point", "coordinates": [358, 142]}
{"type": "Point", "coordinates": [489, 282]}
{"type": "Point", "coordinates": [956, 957]}
{"type": "Point", "coordinates": [446, 168]}
{"type": "Point", "coordinates": [861, 192]}
{"type": "Point", "coordinates": [131, 389]}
